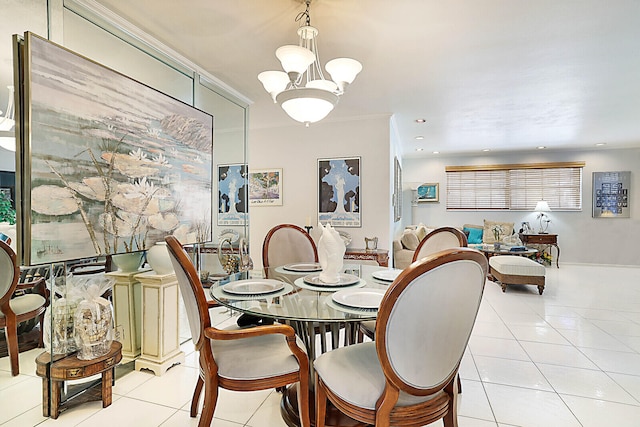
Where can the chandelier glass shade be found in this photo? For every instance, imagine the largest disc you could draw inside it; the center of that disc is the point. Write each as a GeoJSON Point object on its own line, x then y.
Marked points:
{"type": "Point", "coordinates": [301, 89]}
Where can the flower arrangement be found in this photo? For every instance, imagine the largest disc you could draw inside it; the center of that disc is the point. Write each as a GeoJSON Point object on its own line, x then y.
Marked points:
{"type": "Point", "coordinates": [497, 232]}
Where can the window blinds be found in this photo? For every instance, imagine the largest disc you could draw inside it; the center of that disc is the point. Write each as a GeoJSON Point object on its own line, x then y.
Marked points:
{"type": "Point", "coordinates": [515, 187]}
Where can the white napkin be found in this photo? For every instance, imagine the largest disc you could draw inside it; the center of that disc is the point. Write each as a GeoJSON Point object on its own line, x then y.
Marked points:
{"type": "Point", "coordinates": [331, 251]}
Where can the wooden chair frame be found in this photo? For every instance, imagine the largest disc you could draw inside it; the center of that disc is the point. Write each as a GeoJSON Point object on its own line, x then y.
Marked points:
{"type": "Point", "coordinates": [385, 413]}
{"type": "Point", "coordinates": [267, 240]}
{"type": "Point", "coordinates": [209, 378]}
{"type": "Point", "coordinates": [10, 320]}
{"type": "Point", "coordinates": [462, 239]}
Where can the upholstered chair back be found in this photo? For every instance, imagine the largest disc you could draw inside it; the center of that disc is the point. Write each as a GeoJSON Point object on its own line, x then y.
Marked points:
{"type": "Point", "coordinates": [426, 317]}
{"type": "Point", "coordinates": [9, 271]}
{"type": "Point", "coordinates": [286, 244]}
{"type": "Point", "coordinates": [191, 290]}
{"type": "Point", "coordinates": [439, 240]}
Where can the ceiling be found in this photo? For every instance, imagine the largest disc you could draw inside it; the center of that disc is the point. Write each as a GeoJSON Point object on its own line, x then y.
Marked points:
{"type": "Point", "coordinates": [502, 75]}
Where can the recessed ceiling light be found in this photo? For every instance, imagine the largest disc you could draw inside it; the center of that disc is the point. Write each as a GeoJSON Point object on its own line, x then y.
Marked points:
{"type": "Point", "coordinates": [542, 147]}
{"type": "Point", "coordinates": [419, 149]}
{"type": "Point", "coordinates": [420, 120]}
{"type": "Point", "coordinates": [486, 149]}
{"type": "Point", "coordinates": [436, 152]}
{"type": "Point", "coordinates": [600, 144]}
{"type": "Point", "coordinates": [419, 137]}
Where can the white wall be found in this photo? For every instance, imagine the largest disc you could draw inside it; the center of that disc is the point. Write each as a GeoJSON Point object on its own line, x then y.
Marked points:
{"type": "Point", "coordinates": [296, 149]}
{"type": "Point", "coordinates": [582, 239]}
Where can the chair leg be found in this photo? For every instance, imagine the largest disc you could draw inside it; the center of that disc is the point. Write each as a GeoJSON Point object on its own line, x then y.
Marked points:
{"type": "Point", "coordinates": [196, 397]}
{"type": "Point", "coordinates": [210, 400]}
{"type": "Point", "coordinates": [450, 418]}
{"type": "Point", "coordinates": [11, 334]}
{"type": "Point", "coordinates": [303, 400]}
{"type": "Point", "coordinates": [321, 402]}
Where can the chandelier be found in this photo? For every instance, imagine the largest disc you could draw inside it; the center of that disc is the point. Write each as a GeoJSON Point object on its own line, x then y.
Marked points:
{"type": "Point", "coordinates": [301, 89]}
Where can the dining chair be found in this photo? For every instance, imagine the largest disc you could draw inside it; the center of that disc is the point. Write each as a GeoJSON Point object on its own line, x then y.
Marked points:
{"type": "Point", "coordinates": [248, 359]}
{"type": "Point", "coordinates": [438, 240]}
{"type": "Point", "coordinates": [407, 376]}
{"type": "Point", "coordinates": [14, 310]}
{"type": "Point", "coordinates": [287, 243]}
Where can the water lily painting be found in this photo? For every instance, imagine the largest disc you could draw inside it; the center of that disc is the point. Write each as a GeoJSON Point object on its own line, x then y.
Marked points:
{"type": "Point", "coordinates": [113, 165]}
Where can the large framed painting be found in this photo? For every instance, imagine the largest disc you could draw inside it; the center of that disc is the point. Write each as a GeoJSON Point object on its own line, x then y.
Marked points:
{"type": "Point", "coordinates": [108, 164]}
{"type": "Point", "coordinates": [232, 194]}
{"type": "Point", "coordinates": [339, 192]}
{"type": "Point", "coordinates": [611, 194]}
{"type": "Point", "coordinates": [265, 187]}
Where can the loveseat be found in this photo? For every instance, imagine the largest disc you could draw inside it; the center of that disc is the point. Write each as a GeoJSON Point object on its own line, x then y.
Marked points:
{"type": "Point", "coordinates": [477, 235]}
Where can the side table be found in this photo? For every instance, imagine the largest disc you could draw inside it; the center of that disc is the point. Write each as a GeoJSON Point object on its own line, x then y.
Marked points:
{"type": "Point", "coordinates": [547, 240]}
{"type": "Point", "coordinates": [127, 307]}
{"type": "Point", "coordinates": [69, 367]}
{"type": "Point", "coordinates": [160, 337]}
{"type": "Point", "coordinates": [381, 256]}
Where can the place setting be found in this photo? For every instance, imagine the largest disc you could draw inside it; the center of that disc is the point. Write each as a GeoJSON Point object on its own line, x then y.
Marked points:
{"type": "Point", "coordinates": [356, 301]}
{"type": "Point", "coordinates": [299, 268]}
{"type": "Point", "coordinates": [387, 275]}
{"type": "Point", "coordinates": [250, 289]}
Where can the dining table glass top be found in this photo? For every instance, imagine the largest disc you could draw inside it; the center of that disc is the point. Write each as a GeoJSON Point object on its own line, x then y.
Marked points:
{"type": "Point", "coordinates": [298, 295]}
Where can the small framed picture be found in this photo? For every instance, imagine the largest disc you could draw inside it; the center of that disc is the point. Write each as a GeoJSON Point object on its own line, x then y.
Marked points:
{"type": "Point", "coordinates": [429, 192]}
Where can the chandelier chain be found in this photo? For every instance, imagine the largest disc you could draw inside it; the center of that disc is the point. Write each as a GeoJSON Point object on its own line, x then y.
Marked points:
{"type": "Point", "coordinates": [305, 14]}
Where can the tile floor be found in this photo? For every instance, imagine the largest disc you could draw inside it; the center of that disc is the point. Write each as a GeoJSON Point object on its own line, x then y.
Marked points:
{"type": "Point", "coordinates": [568, 358]}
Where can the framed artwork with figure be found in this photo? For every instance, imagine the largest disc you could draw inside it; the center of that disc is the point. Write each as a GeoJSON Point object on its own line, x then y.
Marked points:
{"type": "Point", "coordinates": [232, 194]}
{"type": "Point", "coordinates": [339, 192]}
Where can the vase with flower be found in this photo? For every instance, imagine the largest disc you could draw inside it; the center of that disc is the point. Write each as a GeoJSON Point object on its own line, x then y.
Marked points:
{"type": "Point", "coordinates": [497, 232]}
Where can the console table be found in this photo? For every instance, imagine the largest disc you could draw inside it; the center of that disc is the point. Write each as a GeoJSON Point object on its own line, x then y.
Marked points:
{"type": "Point", "coordinates": [547, 240]}
{"type": "Point", "coordinates": [381, 256]}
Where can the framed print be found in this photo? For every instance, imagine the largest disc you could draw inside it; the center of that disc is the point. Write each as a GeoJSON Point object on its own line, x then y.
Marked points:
{"type": "Point", "coordinates": [428, 192]}
{"type": "Point", "coordinates": [109, 165]}
{"type": "Point", "coordinates": [265, 187]}
{"type": "Point", "coordinates": [232, 194]}
{"type": "Point", "coordinates": [611, 194]}
{"type": "Point", "coordinates": [339, 192]}
{"type": "Point", "coordinates": [397, 190]}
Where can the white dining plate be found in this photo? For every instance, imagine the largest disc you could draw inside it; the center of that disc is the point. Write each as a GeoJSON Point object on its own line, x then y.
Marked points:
{"type": "Point", "coordinates": [344, 279]}
{"type": "Point", "coordinates": [386, 275]}
{"type": "Point", "coordinates": [359, 298]}
{"type": "Point", "coordinates": [253, 286]}
{"type": "Point", "coordinates": [303, 267]}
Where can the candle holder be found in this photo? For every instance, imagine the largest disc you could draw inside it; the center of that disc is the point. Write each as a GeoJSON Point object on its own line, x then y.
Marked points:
{"type": "Point", "coordinates": [308, 228]}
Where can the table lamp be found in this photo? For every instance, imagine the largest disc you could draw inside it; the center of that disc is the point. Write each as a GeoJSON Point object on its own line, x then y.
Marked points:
{"type": "Point", "coordinates": [541, 207]}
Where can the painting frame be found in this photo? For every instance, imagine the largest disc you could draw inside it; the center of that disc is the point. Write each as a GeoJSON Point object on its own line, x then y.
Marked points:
{"type": "Point", "coordinates": [339, 191]}
{"type": "Point", "coordinates": [428, 192]}
{"type": "Point", "coordinates": [397, 190]}
{"type": "Point", "coordinates": [232, 196]}
{"type": "Point", "coordinates": [265, 187]}
{"type": "Point", "coordinates": [611, 192]}
{"type": "Point", "coordinates": [105, 159]}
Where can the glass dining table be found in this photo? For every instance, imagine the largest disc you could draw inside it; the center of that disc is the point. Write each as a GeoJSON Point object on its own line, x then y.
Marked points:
{"type": "Point", "coordinates": [323, 316]}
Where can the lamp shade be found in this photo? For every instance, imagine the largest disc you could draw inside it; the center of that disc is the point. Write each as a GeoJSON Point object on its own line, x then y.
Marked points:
{"type": "Point", "coordinates": [343, 70]}
{"type": "Point", "coordinates": [542, 206]}
{"type": "Point", "coordinates": [274, 82]}
{"type": "Point", "coordinates": [307, 105]}
{"type": "Point", "coordinates": [295, 59]}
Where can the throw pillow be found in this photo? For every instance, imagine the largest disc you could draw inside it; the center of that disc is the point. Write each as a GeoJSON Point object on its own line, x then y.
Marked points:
{"type": "Point", "coordinates": [410, 240]}
{"type": "Point", "coordinates": [421, 231]}
{"type": "Point", "coordinates": [506, 229]}
{"type": "Point", "coordinates": [474, 235]}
